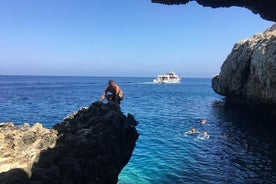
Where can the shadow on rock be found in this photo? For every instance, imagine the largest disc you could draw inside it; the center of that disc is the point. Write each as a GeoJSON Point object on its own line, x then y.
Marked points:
{"type": "Point", "coordinates": [13, 176]}
{"type": "Point", "coordinates": [92, 146]}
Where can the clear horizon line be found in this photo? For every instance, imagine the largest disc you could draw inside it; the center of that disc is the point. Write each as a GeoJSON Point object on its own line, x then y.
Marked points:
{"type": "Point", "coordinates": [34, 75]}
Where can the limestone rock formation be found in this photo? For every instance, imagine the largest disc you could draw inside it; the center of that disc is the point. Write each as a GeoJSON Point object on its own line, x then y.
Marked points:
{"type": "Point", "coordinates": [20, 147]}
{"type": "Point", "coordinates": [89, 146]}
{"type": "Point", "coordinates": [266, 8]}
{"type": "Point", "coordinates": [249, 72]}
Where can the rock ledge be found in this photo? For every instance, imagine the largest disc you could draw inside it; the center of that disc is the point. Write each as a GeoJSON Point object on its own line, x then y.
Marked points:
{"type": "Point", "coordinates": [91, 145]}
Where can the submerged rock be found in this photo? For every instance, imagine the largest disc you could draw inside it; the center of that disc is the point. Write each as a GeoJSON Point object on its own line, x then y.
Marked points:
{"type": "Point", "coordinates": [91, 145]}
{"type": "Point", "coordinates": [249, 72]}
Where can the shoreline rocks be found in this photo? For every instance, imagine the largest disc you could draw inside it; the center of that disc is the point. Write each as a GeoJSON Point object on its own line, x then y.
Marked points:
{"type": "Point", "coordinates": [21, 145]}
{"type": "Point", "coordinates": [91, 145]}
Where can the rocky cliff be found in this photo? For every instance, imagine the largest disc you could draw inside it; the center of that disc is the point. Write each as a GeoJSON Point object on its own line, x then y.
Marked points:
{"type": "Point", "coordinates": [266, 8]}
{"type": "Point", "coordinates": [249, 72]}
{"type": "Point", "coordinates": [91, 145]}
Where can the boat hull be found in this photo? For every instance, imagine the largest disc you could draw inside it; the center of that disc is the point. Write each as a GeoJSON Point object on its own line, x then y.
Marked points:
{"type": "Point", "coordinates": [167, 78]}
{"type": "Point", "coordinates": [174, 81]}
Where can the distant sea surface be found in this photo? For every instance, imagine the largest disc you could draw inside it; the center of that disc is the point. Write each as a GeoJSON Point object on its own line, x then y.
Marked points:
{"type": "Point", "coordinates": [241, 147]}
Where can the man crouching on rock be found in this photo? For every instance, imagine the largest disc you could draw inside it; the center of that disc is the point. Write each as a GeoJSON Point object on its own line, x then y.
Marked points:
{"type": "Point", "coordinates": [112, 93]}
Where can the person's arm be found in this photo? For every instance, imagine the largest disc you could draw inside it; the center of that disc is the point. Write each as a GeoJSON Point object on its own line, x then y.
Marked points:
{"type": "Point", "coordinates": [103, 96]}
{"type": "Point", "coordinates": [117, 93]}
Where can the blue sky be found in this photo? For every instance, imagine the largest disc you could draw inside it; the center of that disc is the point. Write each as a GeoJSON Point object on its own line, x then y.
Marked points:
{"type": "Point", "coordinates": [134, 38]}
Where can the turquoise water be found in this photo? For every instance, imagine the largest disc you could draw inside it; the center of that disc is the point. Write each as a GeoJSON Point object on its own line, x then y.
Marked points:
{"type": "Point", "coordinates": [241, 147]}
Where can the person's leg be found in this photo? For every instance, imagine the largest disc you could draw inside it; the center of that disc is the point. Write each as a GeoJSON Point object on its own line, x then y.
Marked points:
{"type": "Point", "coordinates": [119, 100]}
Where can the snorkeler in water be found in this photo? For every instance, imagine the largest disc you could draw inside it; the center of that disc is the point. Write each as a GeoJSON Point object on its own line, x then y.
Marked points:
{"type": "Point", "coordinates": [203, 121]}
{"type": "Point", "coordinates": [203, 135]}
{"type": "Point", "coordinates": [192, 131]}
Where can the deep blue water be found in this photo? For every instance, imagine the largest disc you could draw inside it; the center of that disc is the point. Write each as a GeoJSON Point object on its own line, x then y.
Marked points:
{"type": "Point", "coordinates": [241, 147]}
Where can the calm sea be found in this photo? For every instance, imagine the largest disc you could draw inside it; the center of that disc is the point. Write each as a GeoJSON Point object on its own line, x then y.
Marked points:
{"type": "Point", "coordinates": [241, 147]}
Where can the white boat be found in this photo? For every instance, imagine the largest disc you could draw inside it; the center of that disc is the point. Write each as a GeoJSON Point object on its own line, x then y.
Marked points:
{"type": "Point", "coordinates": [170, 77]}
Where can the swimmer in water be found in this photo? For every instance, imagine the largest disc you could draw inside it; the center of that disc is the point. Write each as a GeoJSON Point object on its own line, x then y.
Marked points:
{"type": "Point", "coordinates": [192, 131]}
{"type": "Point", "coordinates": [203, 121]}
{"type": "Point", "coordinates": [203, 135]}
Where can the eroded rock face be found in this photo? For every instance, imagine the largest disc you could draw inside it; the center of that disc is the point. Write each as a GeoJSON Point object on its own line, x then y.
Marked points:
{"type": "Point", "coordinates": [249, 72]}
{"type": "Point", "coordinates": [266, 8]}
{"type": "Point", "coordinates": [20, 146]}
{"type": "Point", "coordinates": [89, 146]}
